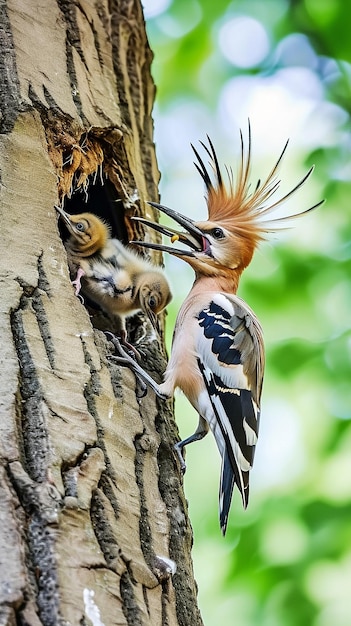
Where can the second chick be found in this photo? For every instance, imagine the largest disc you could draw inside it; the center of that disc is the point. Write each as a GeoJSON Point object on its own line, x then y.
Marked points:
{"type": "Point", "coordinates": [112, 275]}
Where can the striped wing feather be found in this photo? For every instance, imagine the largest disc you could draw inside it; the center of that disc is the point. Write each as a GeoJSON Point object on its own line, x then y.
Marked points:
{"type": "Point", "coordinates": [230, 350]}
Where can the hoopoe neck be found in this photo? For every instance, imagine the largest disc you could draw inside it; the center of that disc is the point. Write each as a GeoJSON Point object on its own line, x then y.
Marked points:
{"type": "Point", "coordinates": [226, 284]}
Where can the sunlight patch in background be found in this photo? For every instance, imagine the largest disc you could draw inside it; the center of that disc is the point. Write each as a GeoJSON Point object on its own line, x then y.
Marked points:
{"type": "Point", "coordinates": [279, 453]}
{"type": "Point", "coordinates": [152, 8]}
{"type": "Point", "coordinates": [284, 540]}
{"type": "Point", "coordinates": [328, 584]}
{"type": "Point", "coordinates": [243, 41]}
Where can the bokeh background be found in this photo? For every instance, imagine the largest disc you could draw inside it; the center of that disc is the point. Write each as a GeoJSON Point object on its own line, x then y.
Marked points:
{"type": "Point", "coordinates": [286, 561]}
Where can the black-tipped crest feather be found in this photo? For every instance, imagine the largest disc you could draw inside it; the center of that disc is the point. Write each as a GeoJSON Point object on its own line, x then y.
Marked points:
{"type": "Point", "coordinates": [240, 207]}
{"type": "Point", "coordinates": [202, 170]}
{"type": "Point", "coordinates": [213, 156]}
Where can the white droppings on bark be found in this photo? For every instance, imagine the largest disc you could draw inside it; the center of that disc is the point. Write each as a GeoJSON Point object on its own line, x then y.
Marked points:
{"type": "Point", "coordinates": [92, 611]}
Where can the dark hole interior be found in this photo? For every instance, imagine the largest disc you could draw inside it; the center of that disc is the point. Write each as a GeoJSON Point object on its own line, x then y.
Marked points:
{"type": "Point", "coordinates": [102, 199]}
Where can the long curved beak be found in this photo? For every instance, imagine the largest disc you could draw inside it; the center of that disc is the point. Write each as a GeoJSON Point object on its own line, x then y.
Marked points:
{"type": "Point", "coordinates": [192, 237]}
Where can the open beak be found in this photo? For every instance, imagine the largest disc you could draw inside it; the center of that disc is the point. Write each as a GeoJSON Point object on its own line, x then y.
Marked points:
{"type": "Point", "coordinates": [192, 237]}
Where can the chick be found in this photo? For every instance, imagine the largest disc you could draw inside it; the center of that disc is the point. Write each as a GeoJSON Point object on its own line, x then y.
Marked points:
{"type": "Point", "coordinates": [110, 274]}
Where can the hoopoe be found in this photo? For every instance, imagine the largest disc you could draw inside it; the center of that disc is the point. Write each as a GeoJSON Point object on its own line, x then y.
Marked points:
{"type": "Point", "coordinates": [217, 357]}
{"type": "Point", "coordinates": [112, 275]}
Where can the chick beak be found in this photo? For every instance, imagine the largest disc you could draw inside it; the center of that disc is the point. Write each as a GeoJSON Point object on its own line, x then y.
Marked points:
{"type": "Point", "coordinates": [193, 237]}
{"type": "Point", "coordinates": [64, 215]}
{"type": "Point", "coordinates": [150, 314]}
{"type": "Point", "coordinates": [154, 320]}
{"type": "Point", "coordinates": [67, 220]}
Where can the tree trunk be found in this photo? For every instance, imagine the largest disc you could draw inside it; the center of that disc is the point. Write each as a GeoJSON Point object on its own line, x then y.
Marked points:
{"type": "Point", "coordinates": [91, 497]}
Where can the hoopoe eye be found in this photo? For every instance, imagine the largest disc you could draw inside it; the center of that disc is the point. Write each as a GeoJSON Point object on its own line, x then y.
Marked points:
{"type": "Point", "coordinates": [80, 226]}
{"type": "Point", "coordinates": [152, 302]}
{"type": "Point", "coordinates": [217, 233]}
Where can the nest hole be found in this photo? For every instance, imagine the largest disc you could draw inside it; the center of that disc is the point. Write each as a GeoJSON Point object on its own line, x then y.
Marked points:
{"type": "Point", "coordinates": [99, 196]}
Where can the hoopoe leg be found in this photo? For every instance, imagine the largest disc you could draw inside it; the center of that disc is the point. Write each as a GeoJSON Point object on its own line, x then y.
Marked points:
{"type": "Point", "coordinates": [200, 433]}
{"type": "Point", "coordinates": [126, 359]}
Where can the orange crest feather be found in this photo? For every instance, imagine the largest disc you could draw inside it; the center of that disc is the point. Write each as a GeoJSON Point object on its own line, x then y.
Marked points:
{"type": "Point", "coordinates": [240, 208]}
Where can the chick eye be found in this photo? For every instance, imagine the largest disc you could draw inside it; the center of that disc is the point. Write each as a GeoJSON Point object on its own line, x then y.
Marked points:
{"type": "Point", "coordinates": [80, 226]}
{"type": "Point", "coordinates": [217, 233]}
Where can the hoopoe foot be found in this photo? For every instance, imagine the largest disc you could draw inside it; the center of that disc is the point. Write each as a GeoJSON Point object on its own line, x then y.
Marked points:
{"type": "Point", "coordinates": [178, 448]}
{"type": "Point", "coordinates": [141, 387]}
{"type": "Point", "coordinates": [76, 282]}
{"type": "Point", "coordinates": [126, 351]}
{"type": "Point", "coordinates": [122, 356]}
{"type": "Point", "coordinates": [123, 340]}
{"type": "Point", "coordinates": [125, 359]}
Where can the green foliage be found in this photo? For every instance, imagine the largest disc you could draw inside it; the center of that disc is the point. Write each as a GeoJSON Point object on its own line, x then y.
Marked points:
{"type": "Point", "coordinates": [287, 559]}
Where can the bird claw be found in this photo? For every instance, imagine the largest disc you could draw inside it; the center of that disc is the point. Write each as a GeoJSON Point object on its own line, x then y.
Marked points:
{"type": "Point", "coordinates": [76, 282]}
{"type": "Point", "coordinates": [128, 359]}
{"type": "Point", "coordinates": [123, 340]}
{"type": "Point", "coordinates": [125, 359]}
{"type": "Point", "coordinates": [142, 391]}
{"type": "Point", "coordinates": [178, 448]}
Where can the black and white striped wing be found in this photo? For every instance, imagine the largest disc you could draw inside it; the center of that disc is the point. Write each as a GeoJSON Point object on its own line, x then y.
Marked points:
{"type": "Point", "coordinates": [231, 360]}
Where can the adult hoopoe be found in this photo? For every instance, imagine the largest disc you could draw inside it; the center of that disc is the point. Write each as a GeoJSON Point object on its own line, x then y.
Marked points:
{"type": "Point", "coordinates": [113, 276]}
{"type": "Point", "coordinates": [217, 356]}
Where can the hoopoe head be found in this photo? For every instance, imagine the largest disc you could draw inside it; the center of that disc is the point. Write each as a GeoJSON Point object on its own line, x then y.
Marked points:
{"type": "Point", "coordinates": [88, 233]}
{"type": "Point", "coordinates": [236, 216]}
{"type": "Point", "coordinates": [154, 294]}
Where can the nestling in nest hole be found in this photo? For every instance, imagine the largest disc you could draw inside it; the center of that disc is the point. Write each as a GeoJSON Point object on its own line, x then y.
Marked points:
{"type": "Point", "coordinates": [113, 281]}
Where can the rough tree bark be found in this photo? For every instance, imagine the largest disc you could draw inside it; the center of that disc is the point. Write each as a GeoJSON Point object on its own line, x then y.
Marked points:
{"type": "Point", "coordinates": [90, 492]}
